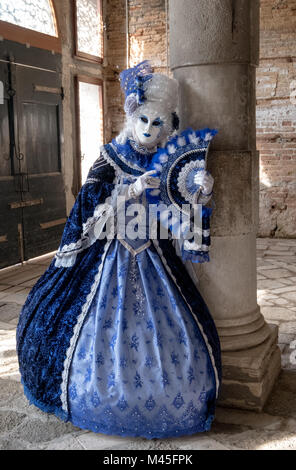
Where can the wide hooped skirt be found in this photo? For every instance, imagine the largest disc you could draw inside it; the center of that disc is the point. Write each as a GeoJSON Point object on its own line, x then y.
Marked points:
{"type": "Point", "coordinates": [142, 365]}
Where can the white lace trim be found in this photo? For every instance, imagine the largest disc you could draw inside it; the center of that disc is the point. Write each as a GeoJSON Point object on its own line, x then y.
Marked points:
{"type": "Point", "coordinates": [181, 182]}
{"type": "Point", "coordinates": [76, 331]}
{"type": "Point", "coordinates": [92, 180]}
{"type": "Point", "coordinates": [134, 166]}
{"type": "Point", "coordinates": [159, 250]}
{"type": "Point", "coordinates": [110, 160]}
{"type": "Point", "coordinates": [195, 246]}
{"type": "Point", "coordinates": [171, 197]}
{"type": "Point", "coordinates": [66, 256]}
{"type": "Point", "coordinates": [66, 261]}
{"type": "Point", "coordinates": [142, 149]}
{"type": "Point", "coordinates": [102, 208]}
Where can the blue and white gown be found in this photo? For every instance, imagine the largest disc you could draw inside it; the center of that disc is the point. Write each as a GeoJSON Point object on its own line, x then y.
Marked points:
{"type": "Point", "coordinates": [146, 361]}
{"type": "Point", "coordinates": [141, 364]}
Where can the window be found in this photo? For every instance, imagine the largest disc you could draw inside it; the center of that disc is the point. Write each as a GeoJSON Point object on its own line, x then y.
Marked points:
{"type": "Point", "coordinates": [37, 15]}
{"type": "Point", "coordinates": [89, 29]}
{"type": "Point", "coordinates": [90, 120]}
{"type": "Point", "coordinates": [30, 22]}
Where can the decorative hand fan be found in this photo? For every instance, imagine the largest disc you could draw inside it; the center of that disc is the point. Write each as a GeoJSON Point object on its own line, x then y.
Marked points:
{"type": "Point", "coordinates": [177, 164]}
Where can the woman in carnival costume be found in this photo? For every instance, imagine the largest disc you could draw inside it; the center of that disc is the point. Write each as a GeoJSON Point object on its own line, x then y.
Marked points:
{"type": "Point", "coordinates": [115, 336]}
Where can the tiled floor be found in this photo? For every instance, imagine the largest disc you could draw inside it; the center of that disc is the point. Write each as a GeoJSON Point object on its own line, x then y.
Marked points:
{"type": "Point", "coordinates": [276, 292]}
{"type": "Point", "coordinates": [25, 427]}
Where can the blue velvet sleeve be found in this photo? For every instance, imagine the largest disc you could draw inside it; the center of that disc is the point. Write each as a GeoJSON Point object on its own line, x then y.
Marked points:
{"type": "Point", "coordinates": [76, 236]}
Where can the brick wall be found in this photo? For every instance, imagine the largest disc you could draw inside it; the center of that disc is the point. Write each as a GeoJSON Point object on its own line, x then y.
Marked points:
{"type": "Point", "coordinates": [147, 27]}
{"type": "Point", "coordinates": [146, 40]}
{"type": "Point", "coordinates": [115, 61]}
{"type": "Point", "coordinates": [276, 118]}
{"type": "Point", "coordinates": [276, 113]}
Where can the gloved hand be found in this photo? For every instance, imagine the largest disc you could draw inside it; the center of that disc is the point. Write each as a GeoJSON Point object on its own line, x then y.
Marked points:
{"type": "Point", "coordinates": [205, 180]}
{"type": "Point", "coordinates": [145, 181]}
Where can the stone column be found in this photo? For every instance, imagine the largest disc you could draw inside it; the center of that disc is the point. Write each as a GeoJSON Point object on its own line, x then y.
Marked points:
{"type": "Point", "coordinates": [214, 49]}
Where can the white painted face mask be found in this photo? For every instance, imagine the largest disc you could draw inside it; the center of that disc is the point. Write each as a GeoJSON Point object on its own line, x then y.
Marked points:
{"type": "Point", "coordinates": [148, 129]}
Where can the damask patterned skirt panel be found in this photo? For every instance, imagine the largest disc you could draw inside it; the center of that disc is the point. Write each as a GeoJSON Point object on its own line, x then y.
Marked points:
{"type": "Point", "coordinates": [141, 366]}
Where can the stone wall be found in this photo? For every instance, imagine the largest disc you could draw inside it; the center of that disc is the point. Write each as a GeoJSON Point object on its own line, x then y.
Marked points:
{"type": "Point", "coordinates": [276, 118]}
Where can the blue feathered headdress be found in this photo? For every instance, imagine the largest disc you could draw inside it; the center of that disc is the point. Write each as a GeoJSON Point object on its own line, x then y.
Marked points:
{"type": "Point", "coordinates": [132, 82]}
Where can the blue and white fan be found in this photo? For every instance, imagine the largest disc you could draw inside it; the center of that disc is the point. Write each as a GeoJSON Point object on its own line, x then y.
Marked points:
{"type": "Point", "coordinates": [177, 164]}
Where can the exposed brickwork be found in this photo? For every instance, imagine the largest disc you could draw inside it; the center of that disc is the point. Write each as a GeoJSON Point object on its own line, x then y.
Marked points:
{"type": "Point", "coordinates": [147, 27]}
{"type": "Point", "coordinates": [115, 61]}
{"type": "Point", "coordinates": [276, 118]}
{"type": "Point", "coordinates": [146, 40]}
{"type": "Point", "coordinates": [276, 113]}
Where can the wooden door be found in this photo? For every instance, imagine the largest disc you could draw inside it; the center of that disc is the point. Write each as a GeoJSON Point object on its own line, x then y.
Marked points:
{"type": "Point", "coordinates": [32, 196]}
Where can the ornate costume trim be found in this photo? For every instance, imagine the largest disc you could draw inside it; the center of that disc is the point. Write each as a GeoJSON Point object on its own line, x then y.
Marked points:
{"type": "Point", "coordinates": [131, 249]}
{"type": "Point", "coordinates": [118, 163]}
{"type": "Point", "coordinates": [77, 328]}
{"type": "Point", "coordinates": [92, 180]}
{"type": "Point", "coordinates": [128, 163]}
{"type": "Point", "coordinates": [159, 250]}
{"type": "Point", "coordinates": [171, 169]}
{"type": "Point", "coordinates": [182, 179]}
{"type": "Point", "coordinates": [195, 246]}
{"type": "Point", "coordinates": [66, 256]}
{"type": "Point", "coordinates": [141, 149]}
{"type": "Point", "coordinates": [110, 160]}
{"type": "Point", "coordinates": [100, 163]}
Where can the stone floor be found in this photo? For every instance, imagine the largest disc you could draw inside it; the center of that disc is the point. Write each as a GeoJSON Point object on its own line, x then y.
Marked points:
{"type": "Point", "coordinates": [25, 427]}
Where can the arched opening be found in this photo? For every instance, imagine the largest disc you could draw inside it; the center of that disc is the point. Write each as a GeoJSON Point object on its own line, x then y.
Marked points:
{"type": "Point", "coordinates": [32, 22]}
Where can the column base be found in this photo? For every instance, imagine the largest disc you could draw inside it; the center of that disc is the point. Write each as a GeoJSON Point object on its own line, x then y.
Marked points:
{"type": "Point", "coordinates": [244, 332]}
{"type": "Point", "coordinates": [248, 375]}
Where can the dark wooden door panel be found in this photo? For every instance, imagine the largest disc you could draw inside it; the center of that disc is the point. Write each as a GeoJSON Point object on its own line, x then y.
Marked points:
{"type": "Point", "coordinates": [10, 219]}
{"type": "Point", "coordinates": [39, 109]}
{"type": "Point", "coordinates": [10, 225]}
{"type": "Point", "coordinates": [5, 163]}
{"type": "Point", "coordinates": [44, 220]}
{"type": "Point", "coordinates": [32, 194]}
{"type": "Point", "coordinates": [41, 137]}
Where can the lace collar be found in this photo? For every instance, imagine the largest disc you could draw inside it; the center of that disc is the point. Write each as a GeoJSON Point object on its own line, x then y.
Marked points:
{"type": "Point", "coordinates": [141, 149]}
{"type": "Point", "coordinates": [133, 155]}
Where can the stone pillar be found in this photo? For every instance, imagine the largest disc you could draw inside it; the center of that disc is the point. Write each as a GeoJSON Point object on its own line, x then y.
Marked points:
{"type": "Point", "coordinates": [214, 49]}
